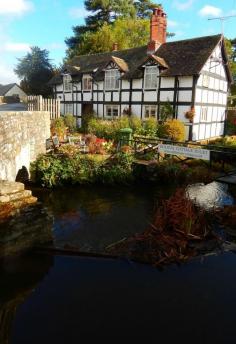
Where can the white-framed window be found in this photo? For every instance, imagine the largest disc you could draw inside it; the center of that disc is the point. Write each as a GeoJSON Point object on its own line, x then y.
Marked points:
{"type": "Point", "coordinates": [205, 80]}
{"type": "Point", "coordinates": [68, 109]}
{"type": "Point", "coordinates": [87, 82]}
{"type": "Point", "coordinates": [112, 79]}
{"type": "Point", "coordinates": [112, 111]}
{"type": "Point", "coordinates": [150, 111]}
{"type": "Point", "coordinates": [67, 84]}
{"type": "Point", "coordinates": [203, 114]}
{"type": "Point", "coordinates": [150, 77]}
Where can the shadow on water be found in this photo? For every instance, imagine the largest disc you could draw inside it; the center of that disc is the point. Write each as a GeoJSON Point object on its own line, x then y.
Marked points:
{"type": "Point", "coordinates": [88, 299]}
{"type": "Point", "coordinates": [18, 279]}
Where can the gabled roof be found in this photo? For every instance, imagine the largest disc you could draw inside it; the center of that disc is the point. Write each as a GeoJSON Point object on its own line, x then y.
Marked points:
{"type": "Point", "coordinates": [5, 88]}
{"type": "Point", "coordinates": [180, 58]}
{"type": "Point", "coordinates": [156, 59]}
{"type": "Point", "coordinates": [120, 63]}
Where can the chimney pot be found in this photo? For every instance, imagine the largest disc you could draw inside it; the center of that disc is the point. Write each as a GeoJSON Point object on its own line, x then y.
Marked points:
{"type": "Point", "coordinates": [115, 47]}
{"type": "Point", "coordinates": [158, 26]}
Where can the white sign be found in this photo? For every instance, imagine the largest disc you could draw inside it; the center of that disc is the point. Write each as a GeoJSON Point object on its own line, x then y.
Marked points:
{"type": "Point", "coordinates": [195, 153]}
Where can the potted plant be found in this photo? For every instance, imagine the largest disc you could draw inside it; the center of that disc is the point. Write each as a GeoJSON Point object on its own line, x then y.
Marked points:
{"type": "Point", "coordinates": [190, 114]}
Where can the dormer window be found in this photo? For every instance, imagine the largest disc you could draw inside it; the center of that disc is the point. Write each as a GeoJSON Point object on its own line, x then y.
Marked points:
{"type": "Point", "coordinates": [112, 79]}
{"type": "Point", "coordinates": [87, 82]}
{"type": "Point", "coordinates": [67, 83]}
{"type": "Point", "coordinates": [150, 77]}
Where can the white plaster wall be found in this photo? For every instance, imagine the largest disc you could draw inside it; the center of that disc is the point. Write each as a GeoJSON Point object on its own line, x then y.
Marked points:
{"type": "Point", "coordinates": [87, 96]}
{"type": "Point", "coordinates": [185, 96]}
{"type": "Point", "coordinates": [181, 111]}
{"type": "Point", "coordinates": [167, 82]}
{"type": "Point", "coordinates": [166, 96]}
{"type": "Point", "coordinates": [116, 96]}
{"type": "Point", "coordinates": [108, 96]}
{"type": "Point", "coordinates": [136, 110]}
{"type": "Point", "coordinates": [185, 81]}
{"type": "Point", "coordinates": [137, 83]}
{"type": "Point", "coordinates": [137, 96]}
{"type": "Point", "coordinates": [125, 84]}
{"type": "Point", "coordinates": [150, 96]}
{"type": "Point", "coordinates": [125, 96]}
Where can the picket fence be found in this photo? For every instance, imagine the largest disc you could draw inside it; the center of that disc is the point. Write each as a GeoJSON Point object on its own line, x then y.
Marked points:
{"type": "Point", "coordinates": [38, 103]}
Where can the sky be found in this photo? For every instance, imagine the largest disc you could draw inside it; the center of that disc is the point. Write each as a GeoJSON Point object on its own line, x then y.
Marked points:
{"type": "Point", "coordinates": [46, 23]}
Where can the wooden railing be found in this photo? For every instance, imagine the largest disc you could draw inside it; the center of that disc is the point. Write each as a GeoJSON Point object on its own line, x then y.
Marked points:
{"type": "Point", "coordinates": [38, 103]}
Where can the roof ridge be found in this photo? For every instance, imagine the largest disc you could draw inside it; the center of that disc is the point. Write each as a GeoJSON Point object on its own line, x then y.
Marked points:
{"type": "Point", "coordinates": [109, 52]}
{"type": "Point", "coordinates": [194, 38]}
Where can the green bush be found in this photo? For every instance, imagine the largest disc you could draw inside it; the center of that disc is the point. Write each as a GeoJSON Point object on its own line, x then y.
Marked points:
{"type": "Point", "coordinates": [172, 129]}
{"type": "Point", "coordinates": [110, 129]}
{"type": "Point", "coordinates": [60, 169]}
{"type": "Point", "coordinates": [70, 122]}
{"type": "Point", "coordinates": [150, 127]}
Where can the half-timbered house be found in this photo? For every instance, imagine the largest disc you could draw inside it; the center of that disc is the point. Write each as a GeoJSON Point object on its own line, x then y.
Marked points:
{"type": "Point", "coordinates": [192, 73]}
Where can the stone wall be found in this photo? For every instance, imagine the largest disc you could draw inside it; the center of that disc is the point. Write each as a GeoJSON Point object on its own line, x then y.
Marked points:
{"type": "Point", "coordinates": [22, 138]}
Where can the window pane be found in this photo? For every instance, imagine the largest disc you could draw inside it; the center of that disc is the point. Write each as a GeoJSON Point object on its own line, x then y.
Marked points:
{"type": "Point", "coordinates": [146, 114]}
{"type": "Point", "coordinates": [112, 79]}
{"type": "Point", "coordinates": [115, 111]}
{"type": "Point", "coordinates": [109, 111]}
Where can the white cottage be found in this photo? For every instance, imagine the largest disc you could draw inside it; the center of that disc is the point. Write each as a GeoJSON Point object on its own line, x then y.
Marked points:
{"type": "Point", "coordinates": [189, 73]}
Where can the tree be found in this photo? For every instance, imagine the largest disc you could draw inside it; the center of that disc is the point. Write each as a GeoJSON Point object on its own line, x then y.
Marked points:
{"type": "Point", "coordinates": [144, 8]}
{"type": "Point", "coordinates": [127, 33]}
{"type": "Point", "coordinates": [35, 70]}
{"type": "Point", "coordinates": [231, 50]}
{"type": "Point", "coordinates": [105, 12]}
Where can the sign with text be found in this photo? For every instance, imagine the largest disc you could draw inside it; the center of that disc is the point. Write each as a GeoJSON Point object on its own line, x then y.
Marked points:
{"type": "Point", "coordinates": [195, 153]}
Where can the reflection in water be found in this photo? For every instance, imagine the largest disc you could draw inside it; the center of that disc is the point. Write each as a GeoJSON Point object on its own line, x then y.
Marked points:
{"type": "Point", "coordinates": [18, 279]}
{"type": "Point", "coordinates": [30, 226]}
{"type": "Point", "coordinates": [91, 218]}
{"type": "Point", "coordinates": [211, 195]}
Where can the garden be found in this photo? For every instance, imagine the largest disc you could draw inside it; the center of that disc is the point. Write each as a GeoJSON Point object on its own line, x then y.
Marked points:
{"type": "Point", "coordinates": [110, 152]}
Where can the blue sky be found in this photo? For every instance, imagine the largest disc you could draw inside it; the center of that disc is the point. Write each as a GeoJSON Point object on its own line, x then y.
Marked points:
{"type": "Point", "coordinates": [46, 23]}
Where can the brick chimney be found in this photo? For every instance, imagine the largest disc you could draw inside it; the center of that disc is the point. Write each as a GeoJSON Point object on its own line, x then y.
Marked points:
{"type": "Point", "coordinates": [115, 47]}
{"type": "Point", "coordinates": [158, 26]}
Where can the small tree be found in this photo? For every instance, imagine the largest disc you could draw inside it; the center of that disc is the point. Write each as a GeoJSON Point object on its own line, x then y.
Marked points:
{"type": "Point", "coordinates": [35, 70]}
{"type": "Point", "coordinates": [166, 112]}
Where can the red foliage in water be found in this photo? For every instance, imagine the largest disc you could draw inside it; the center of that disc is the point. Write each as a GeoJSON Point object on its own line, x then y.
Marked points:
{"type": "Point", "coordinates": [178, 224]}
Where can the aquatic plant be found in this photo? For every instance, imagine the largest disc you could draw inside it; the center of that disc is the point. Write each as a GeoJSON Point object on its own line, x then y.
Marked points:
{"type": "Point", "coordinates": [177, 224]}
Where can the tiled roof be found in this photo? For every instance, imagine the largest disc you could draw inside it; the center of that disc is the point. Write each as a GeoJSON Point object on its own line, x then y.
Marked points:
{"type": "Point", "coordinates": [180, 58]}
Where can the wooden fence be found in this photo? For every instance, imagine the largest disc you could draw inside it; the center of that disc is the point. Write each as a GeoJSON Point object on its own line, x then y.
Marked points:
{"type": "Point", "coordinates": [38, 103]}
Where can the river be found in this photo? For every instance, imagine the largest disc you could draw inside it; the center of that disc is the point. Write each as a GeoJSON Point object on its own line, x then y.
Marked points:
{"type": "Point", "coordinates": [46, 298]}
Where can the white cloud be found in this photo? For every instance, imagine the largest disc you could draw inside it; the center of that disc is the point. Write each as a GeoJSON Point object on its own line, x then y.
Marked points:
{"type": "Point", "coordinates": [15, 47]}
{"type": "Point", "coordinates": [7, 74]}
{"type": "Point", "coordinates": [210, 11]}
{"type": "Point", "coordinates": [77, 12]}
{"type": "Point", "coordinates": [172, 23]}
{"type": "Point", "coordinates": [15, 7]}
{"type": "Point", "coordinates": [183, 6]}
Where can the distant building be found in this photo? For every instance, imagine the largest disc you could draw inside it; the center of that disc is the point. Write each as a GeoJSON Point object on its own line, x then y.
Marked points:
{"type": "Point", "coordinates": [12, 90]}
{"type": "Point", "coordinates": [192, 73]}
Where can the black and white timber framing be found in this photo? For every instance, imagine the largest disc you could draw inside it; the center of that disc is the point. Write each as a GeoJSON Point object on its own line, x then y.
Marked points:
{"type": "Point", "coordinates": [183, 78]}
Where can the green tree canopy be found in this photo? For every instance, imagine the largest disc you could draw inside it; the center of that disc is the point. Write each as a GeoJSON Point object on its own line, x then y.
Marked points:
{"type": "Point", "coordinates": [35, 70]}
{"type": "Point", "coordinates": [231, 50]}
{"type": "Point", "coordinates": [103, 18]}
{"type": "Point", "coordinates": [126, 33]}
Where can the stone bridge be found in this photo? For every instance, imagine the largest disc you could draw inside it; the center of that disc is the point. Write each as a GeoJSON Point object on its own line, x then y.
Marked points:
{"type": "Point", "coordinates": [22, 138]}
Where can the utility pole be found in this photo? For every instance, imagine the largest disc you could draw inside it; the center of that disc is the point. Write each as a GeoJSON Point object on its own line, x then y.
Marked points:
{"type": "Point", "coordinates": [222, 20]}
